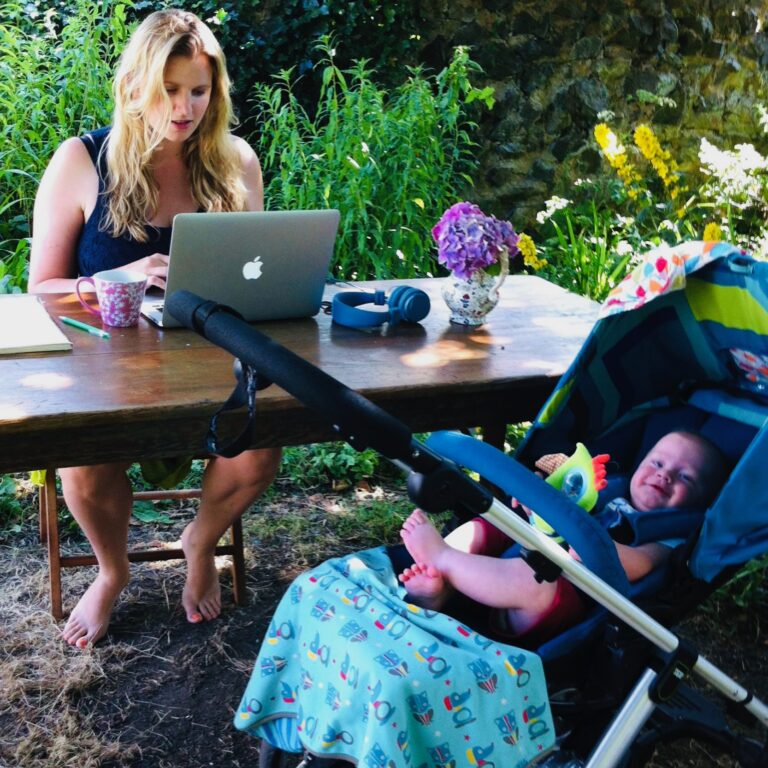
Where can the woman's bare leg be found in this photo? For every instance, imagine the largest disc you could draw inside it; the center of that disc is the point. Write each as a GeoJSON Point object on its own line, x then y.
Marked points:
{"type": "Point", "coordinates": [230, 486]}
{"type": "Point", "coordinates": [99, 498]}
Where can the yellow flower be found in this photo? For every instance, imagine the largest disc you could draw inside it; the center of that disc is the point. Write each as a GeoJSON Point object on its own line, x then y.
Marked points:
{"type": "Point", "coordinates": [602, 135]}
{"type": "Point", "coordinates": [659, 158]}
{"type": "Point", "coordinates": [615, 154]}
{"type": "Point", "coordinates": [712, 232]}
{"type": "Point", "coordinates": [527, 247]}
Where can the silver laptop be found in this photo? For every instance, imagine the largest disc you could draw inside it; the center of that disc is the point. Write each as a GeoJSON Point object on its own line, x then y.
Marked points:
{"type": "Point", "coordinates": [266, 265]}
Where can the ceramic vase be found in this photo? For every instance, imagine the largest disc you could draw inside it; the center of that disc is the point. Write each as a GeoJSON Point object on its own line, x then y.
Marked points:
{"type": "Point", "coordinates": [471, 298]}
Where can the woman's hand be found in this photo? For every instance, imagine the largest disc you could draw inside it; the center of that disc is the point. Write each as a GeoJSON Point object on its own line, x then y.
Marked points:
{"type": "Point", "coordinates": [155, 267]}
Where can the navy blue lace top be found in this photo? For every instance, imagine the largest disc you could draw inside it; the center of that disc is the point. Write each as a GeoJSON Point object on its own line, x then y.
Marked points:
{"type": "Point", "coordinates": [98, 250]}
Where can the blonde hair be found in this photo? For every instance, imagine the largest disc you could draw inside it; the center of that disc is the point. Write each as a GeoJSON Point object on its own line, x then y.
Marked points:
{"type": "Point", "coordinates": [209, 154]}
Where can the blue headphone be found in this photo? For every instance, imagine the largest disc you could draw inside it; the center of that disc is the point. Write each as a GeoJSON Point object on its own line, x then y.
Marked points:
{"type": "Point", "coordinates": [406, 304]}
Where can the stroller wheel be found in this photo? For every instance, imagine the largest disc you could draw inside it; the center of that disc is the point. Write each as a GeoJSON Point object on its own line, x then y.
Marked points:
{"type": "Point", "coordinates": [272, 757]}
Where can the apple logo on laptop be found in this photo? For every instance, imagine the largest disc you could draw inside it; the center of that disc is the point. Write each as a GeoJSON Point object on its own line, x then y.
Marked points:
{"type": "Point", "coordinates": [252, 269]}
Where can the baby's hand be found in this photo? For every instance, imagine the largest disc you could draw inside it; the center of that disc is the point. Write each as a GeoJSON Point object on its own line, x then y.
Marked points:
{"type": "Point", "coordinates": [574, 554]}
{"type": "Point", "coordinates": [515, 503]}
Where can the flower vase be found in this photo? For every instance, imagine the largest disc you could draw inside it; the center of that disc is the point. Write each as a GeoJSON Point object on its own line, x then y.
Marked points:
{"type": "Point", "coordinates": [471, 298]}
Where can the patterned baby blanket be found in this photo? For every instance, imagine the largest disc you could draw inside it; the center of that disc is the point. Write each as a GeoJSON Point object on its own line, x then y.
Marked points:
{"type": "Point", "coordinates": [662, 270]}
{"type": "Point", "coordinates": [349, 668]}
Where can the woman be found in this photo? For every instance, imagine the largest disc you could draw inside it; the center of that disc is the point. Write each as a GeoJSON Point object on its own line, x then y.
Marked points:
{"type": "Point", "coordinates": [108, 199]}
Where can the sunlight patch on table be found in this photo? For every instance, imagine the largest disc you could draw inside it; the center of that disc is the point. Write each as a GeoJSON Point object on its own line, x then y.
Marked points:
{"type": "Point", "coordinates": [11, 412]}
{"type": "Point", "coordinates": [496, 339]}
{"type": "Point", "coordinates": [542, 367]}
{"type": "Point", "coordinates": [47, 381]}
{"type": "Point", "coordinates": [566, 327]}
{"type": "Point", "coordinates": [440, 354]}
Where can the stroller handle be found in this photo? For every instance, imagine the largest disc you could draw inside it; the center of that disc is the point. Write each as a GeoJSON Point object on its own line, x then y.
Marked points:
{"type": "Point", "coordinates": [357, 420]}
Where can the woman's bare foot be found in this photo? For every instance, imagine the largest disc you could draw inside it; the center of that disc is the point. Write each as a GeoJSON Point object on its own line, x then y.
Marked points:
{"type": "Point", "coordinates": [201, 597]}
{"type": "Point", "coordinates": [425, 586]}
{"type": "Point", "coordinates": [422, 540]}
{"type": "Point", "coordinates": [89, 619]}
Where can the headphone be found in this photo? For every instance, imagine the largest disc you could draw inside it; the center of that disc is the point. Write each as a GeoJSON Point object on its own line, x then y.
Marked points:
{"type": "Point", "coordinates": [405, 304]}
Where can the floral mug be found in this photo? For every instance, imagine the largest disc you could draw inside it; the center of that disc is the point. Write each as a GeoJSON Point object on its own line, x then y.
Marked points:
{"type": "Point", "coordinates": [119, 293]}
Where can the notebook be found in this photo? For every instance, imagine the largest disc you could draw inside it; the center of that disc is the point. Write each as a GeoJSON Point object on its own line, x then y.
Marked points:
{"type": "Point", "coordinates": [26, 326]}
{"type": "Point", "coordinates": [266, 265]}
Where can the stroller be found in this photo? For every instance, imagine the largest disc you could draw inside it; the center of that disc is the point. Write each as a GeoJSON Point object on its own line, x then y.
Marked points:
{"type": "Point", "coordinates": [691, 354]}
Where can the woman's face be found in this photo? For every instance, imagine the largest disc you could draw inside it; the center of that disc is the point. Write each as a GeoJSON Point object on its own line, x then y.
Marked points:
{"type": "Point", "coordinates": [188, 82]}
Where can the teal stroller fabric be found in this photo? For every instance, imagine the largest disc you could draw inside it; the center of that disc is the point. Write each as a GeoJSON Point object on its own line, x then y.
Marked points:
{"type": "Point", "coordinates": [689, 325]}
{"type": "Point", "coordinates": [350, 669]}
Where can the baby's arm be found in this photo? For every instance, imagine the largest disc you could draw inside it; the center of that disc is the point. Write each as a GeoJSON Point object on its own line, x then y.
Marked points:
{"type": "Point", "coordinates": [640, 561]}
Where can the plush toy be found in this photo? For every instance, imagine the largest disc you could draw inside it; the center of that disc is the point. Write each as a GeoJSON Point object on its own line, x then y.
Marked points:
{"type": "Point", "coordinates": [579, 476]}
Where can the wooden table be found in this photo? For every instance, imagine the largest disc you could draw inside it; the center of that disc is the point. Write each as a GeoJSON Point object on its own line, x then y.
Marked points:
{"type": "Point", "coordinates": [148, 393]}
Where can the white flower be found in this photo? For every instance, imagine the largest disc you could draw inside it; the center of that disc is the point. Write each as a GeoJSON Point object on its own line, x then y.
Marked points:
{"type": "Point", "coordinates": [553, 204]}
{"type": "Point", "coordinates": [733, 173]}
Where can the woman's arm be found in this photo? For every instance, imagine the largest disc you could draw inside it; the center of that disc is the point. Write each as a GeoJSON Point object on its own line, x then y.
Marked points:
{"type": "Point", "coordinates": [66, 195]}
{"type": "Point", "coordinates": [65, 199]}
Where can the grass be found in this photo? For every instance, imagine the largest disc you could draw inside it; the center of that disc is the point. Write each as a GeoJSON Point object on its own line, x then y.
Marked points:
{"type": "Point", "coordinates": [42, 681]}
{"type": "Point", "coordinates": [63, 708]}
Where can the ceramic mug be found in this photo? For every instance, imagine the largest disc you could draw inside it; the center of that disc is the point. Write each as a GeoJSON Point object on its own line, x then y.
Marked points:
{"type": "Point", "coordinates": [119, 293]}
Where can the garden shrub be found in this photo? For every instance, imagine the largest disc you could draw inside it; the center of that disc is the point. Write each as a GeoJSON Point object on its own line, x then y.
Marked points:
{"type": "Point", "coordinates": [593, 238]}
{"type": "Point", "coordinates": [54, 83]}
{"type": "Point", "coordinates": [391, 162]}
{"type": "Point", "coordinates": [262, 37]}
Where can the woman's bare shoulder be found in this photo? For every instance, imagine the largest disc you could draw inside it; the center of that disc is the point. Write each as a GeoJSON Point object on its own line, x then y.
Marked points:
{"type": "Point", "coordinates": [251, 174]}
{"type": "Point", "coordinates": [245, 152]}
{"type": "Point", "coordinates": [71, 160]}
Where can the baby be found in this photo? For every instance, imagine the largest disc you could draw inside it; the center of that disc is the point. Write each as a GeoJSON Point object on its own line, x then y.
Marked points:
{"type": "Point", "coordinates": [681, 470]}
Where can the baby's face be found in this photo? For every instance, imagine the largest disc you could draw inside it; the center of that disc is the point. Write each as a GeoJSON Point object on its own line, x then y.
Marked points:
{"type": "Point", "coordinates": [673, 474]}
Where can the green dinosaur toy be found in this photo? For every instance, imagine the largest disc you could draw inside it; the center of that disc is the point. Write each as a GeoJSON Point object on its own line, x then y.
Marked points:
{"type": "Point", "coordinates": [579, 477]}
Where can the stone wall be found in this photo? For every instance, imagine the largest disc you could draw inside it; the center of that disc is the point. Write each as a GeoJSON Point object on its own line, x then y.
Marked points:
{"type": "Point", "coordinates": [556, 65]}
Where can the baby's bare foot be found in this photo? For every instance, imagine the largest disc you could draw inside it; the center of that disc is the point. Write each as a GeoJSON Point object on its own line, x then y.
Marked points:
{"type": "Point", "coordinates": [201, 597]}
{"type": "Point", "coordinates": [89, 619]}
{"type": "Point", "coordinates": [422, 540]}
{"type": "Point", "coordinates": [425, 585]}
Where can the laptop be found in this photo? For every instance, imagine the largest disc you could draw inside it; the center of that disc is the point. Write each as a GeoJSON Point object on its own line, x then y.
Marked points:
{"type": "Point", "coordinates": [266, 265]}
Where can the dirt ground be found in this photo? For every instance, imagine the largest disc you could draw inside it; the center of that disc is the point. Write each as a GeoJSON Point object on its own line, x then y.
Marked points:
{"type": "Point", "coordinates": [161, 693]}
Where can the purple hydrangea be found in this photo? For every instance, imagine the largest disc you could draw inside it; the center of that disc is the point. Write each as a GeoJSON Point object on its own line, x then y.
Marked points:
{"type": "Point", "coordinates": [468, 240]}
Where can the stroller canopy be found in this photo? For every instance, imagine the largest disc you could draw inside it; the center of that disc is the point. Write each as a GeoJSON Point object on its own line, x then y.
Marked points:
{"type": "Point", "coordinates": [689, 323]}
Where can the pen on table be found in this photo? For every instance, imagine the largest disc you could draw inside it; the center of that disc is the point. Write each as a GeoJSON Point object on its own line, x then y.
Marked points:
{"type": "Point", "coordinates": [84, 327]}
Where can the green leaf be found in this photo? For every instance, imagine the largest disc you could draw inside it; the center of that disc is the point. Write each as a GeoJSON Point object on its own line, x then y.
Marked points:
{"type": "Point", "coordinates": [146, 512]}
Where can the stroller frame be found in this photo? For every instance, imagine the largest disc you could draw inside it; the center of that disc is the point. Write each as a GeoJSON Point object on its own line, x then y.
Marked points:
{"type": "Point", "coordinates": [437, 483]}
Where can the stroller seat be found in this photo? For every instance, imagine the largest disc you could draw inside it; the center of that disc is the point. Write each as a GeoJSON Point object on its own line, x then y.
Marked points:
{"type": "Point", "coordinates": [728, 421]}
